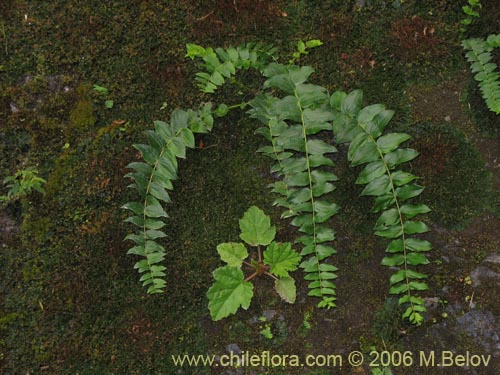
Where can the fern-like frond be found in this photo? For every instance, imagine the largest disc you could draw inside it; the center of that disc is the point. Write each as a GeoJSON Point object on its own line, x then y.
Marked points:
{"type": "Point", "coordinates": [485, 72]}
{"type": "Point", "coordinates": [291, 125]}
{"type": "Point", "coordinates": [152, 178]}
{"type": "Point", "coordinates": [392, 188]}
{"type": "Point", "coordinates": [221, 64]}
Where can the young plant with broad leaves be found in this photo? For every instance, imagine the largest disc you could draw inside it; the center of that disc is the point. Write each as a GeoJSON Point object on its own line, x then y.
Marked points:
{"type": "Point", "coordinates": [232, 289]}
{"type": "Point", "coordinates": [381, 155]}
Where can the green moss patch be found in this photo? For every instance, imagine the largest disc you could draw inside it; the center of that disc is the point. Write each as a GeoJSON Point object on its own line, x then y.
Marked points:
{"type": "Point", "coordinates": [458, 186]}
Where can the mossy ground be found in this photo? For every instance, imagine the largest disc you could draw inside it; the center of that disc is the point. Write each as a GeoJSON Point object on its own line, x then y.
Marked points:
{"type": "Point", "coordinates": [70, 302]}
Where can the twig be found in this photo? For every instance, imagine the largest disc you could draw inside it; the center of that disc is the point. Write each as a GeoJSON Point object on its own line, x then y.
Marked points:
{"type": "Point", "coordinates": [205, 16]}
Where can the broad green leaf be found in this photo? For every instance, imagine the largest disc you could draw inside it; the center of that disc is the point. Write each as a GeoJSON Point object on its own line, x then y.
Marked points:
{"type": "Point", "coordinates": [324, 210]}
{"type": "Point", "coordinates": [320, 189]}
{"type": "Point", "coordinates": [415, 285]}
{"type": "Point", "coordinates": [154, 234]}
{"type": "Point", "coordinates": [187, 137]}
{"type": "Point", "coordinates": [400, 156]}
{"type": "Point", "coordinates": [232, 253]}
{"type": "Point", "coordinates": [159, 192]}
{"type": "Point", "coordinates": [324, 234]}
{"type": "Point", "coordinates": [390, 142]}
{"type": "Point", "coordinates": [412, 227]}
{"type": "Point", "coordinates": [362, 150]}
{"type": "Point", "coordinates": [179, 119]}
{"type": "Point", "coordinates": [416, 259]}
{"type": "Point", "coordinates": [351, 104]}
{"type": "Point", "coordinates": [336, 100]}
{"type": "Point", "coordinates": [387, 219]}
{"type": "Point", "coordinates": [408, 191]}
{"type": "Point", "coordinates": [177, 147]}
{"type": "Point", "coordinates": [311, 95]}
{"type": "Point", "coordinates": [383, 202]}
{"type": "Point", "coordinates": [368, 113]}
{"type": "Point", "coordinates": [370, 172]}
{"type": "Point", "coordinates": [317, 146]}
{"type": "Point", "coordinates": [416, 244]}
{"type": "Point", "coordinates": [400, 178]}
{"type": "Point", "coordinates": [403, 274]}
{"type": "Point", "coordinates": [395, 246]}
{"type": "Point", "coordinates": [320, 160]}
{"type": "Point", "coordinates": [379, 186]}
{"type": "Point", "coordinates": [382, 119]}
{"type": "Point", "coordinates": [229, 292]}
{"type": "Point", "coordinates": [410, 210]}
{"type": "Point", "coordinates": [281, 258]}
{"type": "Point", "coordinates": [394, 231]}
{"type": "Point", "coordinates": [393, 260]}
{"type": "Point", "coordinates": [320, 177]}
{"type": "Point", "coordinates": [398, 289]}
{"type": "Point", "coordinates": [155, 211]}
{"type": "Point", "coordinates": [286, 289]}
{"type": "Point", "coordinates": [148, 153]}
{"type": "Point", "coordinates": [256, 227]}
{"type": "Point", "coordinates": [136, 207]}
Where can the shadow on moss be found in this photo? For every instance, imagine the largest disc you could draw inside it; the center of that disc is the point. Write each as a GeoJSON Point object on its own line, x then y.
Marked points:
{"type": "Point", "coordinates": [457, 184]}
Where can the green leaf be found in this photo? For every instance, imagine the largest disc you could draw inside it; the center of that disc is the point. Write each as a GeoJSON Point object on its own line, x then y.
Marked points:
{"type": "Point", "coordinates": [416, 244]}
{"type": "Point", "coordinates": [400, 178]}
{"type": "Point", "coordinates": [101, 89]}
{"type": "Point", "coordinates": [136, 207]}
{"type": "Point", "coordinates": [317, 146]}
{"type": "Point", "coordinates": [400, 156]}
{"type": "Point", "coordinates": [362, 150]}
{"type": "Point", "coordinates": [314, 43]}
{"type": "Point", "coordinates": [415, 285]}
{"type": "Point", "coordinates": [148, 153]}
{"type": "Point", "coordinates": [390, 142]}
{"type": "Point", "coordinates": [256, 227]}
{"type": "Point", "coordinates": [177, 147]}
{"type": "Point", "coordinates": [281, 258]}
{"type": "Point", "coordinates": [351, 104]}
{"type": "Point", "coordinates": [372, 171]}
{"type": "Point", "coordinates": [410, 210]}
{"type": "Point", "coordinates": [379, 186]}
{"type": "Point", "coordinates": [109, 104]}
{"type": "Point", "coordinates": [387, 219]}
{"type": "Point", "coordinates": [286, 289]}
{"type": "Point", "coordinates": [408, 191]}
{"type": "Point", "coordinates": [416, 259]}
{"type": "Point", "coordinates": [229, 292]}
{"type": "Point", "coordinates": [221, 110]}
{"type": "Point", "coordinates": [395, 246]}
{"type": "Point", "coordinates": [393, 260]}
{"type": "Point", "coordinates": [366, 115]}
{"type": "Point", "coordinates": [324, 210]}
{"type": "Point", "coordinates": [232, 253]}
{"type": "Point", "coordinates": [337, 99]}
{"type": "Point", "coordinates": [412, 227]}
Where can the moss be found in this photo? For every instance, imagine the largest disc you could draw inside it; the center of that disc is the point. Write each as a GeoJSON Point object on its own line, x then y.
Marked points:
{"type": "Point", "coordinates": [387, 323]}
{"type": "Point", "coordinates": [457, 184]}
{"type": "Point", "coordinates": [82, 117]}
